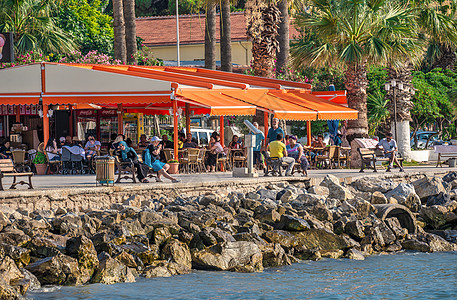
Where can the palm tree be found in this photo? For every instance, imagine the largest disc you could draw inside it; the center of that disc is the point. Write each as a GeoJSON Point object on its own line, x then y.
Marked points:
{"type": "Point", "coordinates": [282, 56]}
{"type": "Point", "coordinates": [226, 39]}
{"type": "Point", "coordinates": [130, 30]}
{"type": "Point", "coordinates": [120, 50]}
{"type": "Point", "coordinates": [353, 33]}
{"type": "Point", "coordinates": [378, 113]}
{"type": "Point", "coordinates": [210, 36]}
{"type": "Point", "coordinates": [33, 26]}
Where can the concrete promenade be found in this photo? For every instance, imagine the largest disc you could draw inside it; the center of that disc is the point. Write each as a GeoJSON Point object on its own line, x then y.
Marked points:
{"type": "Point", "coordinates": [47, 182]}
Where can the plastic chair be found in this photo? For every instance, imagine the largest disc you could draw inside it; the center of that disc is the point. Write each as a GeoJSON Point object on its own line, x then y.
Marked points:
{"type": "Point", "coordinates": [77, 163]}
{"type": "Point", "coordinates": [51, 163]}
{"type": "Point", "coordinates": [66, 161]}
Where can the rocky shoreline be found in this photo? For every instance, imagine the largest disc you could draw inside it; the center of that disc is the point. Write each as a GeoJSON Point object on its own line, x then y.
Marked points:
{"type": "Point", "coordinates": [277, 225]}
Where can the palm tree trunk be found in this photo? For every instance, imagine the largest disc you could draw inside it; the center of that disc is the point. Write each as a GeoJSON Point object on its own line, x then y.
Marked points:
{"type": "Point", "coordinates": [400, 105]}
{"type": "Point", "coordinates": [356, 85]}
{"type": "Point", "coordinates": [226, 39]}
{"type": "Point", "coordinates": [447, 58]}
{"type": "Point", "coordinates": [210, 37]}
{"type": "Point", "coordinates": [283, 38]}
{"type": "Point", "coordinates": [130, 30]}
{"type": "Point", "coordinates": [120, 51]}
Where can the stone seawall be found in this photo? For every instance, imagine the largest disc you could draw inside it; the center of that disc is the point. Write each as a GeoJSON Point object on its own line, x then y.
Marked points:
{"type": "Point", "coordinates": [83, 198]}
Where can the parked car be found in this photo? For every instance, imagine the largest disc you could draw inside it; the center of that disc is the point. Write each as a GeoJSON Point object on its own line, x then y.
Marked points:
{"type": "Point", "coordinates": [201, 136]}
{"type": "Point", "coordinates": [423, 136]}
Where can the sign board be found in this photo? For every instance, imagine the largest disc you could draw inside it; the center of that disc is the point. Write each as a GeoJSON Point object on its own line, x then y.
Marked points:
{"type": "Point", "coordinates": [6, 47]}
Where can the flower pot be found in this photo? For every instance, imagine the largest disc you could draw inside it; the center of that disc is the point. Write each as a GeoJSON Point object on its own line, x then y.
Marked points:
{"type": "Point", "coordinates": [174, 168]}
{"type": "Point", "coordinates": [41, 169]}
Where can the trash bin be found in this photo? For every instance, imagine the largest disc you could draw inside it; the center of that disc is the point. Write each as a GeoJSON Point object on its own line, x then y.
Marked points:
{"type": "Point", "coordinates": [452, 162]}
{"type": "Point", "coordinates": [104, 170]}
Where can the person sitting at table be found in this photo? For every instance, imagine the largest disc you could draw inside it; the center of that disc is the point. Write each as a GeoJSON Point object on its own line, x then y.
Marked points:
{"type": "Point", "coordinates": [127, 154]}
{"type": "Point", "coordinates": [215, 150]}
{"type": "Point", "coordinates": [112, 139]}
{"type": "Point", "coordinates": [166, 143]}
{"type": "Point", "coordinates": [129, 142]}
{"type": "Point", "coordinates": [143, 143]}
{"type": "Point", "coordinates": [278, 150]}
{"type": "Point", "coordinates": [91, 147]}
{"type": "Point", "coordinates": [319, 143]}
{"type": "Point", "coordinates": [61, 142]}
{"type": "Point", "coordinates": [151, 157]}
{"type": "Point", "coordinates": [119, 138]}
{"type": "Point", "coordinates": [5, 151]}
{"type": "Point", "coordinates": [68, 141]}
{"type": "Point", "coordinates": [234, 144]}
{"type": "Point", "coordinates": [181, 140]}
{"type": "Point", "coordinates": [51, 149]}
{"type": "Point", "coordinates": [189, 143]}
{"type": "Point", "coordinates": [295, 150]}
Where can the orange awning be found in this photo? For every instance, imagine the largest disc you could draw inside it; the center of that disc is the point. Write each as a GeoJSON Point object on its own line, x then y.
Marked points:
{"type": "Point", "coordinates": [338, 97]}
{"type": "Point", "coordinates": [217, 103]}
{"type": "Point", "coordinates": [326, 110]}
{"type": "Point", "coordinates": [20, 98]}
{"type": "Point", "coordinates": [106, 98]}
{"type": "Point", "coordinates": [282, 109]}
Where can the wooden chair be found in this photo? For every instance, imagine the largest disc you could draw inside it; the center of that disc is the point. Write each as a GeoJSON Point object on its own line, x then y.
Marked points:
{"type": "Point", "coordinates": [126, 170]}
{"type": "Point", "coordinates": [20, 163]}
{"type": "Point", "coordinates": [239, 158]}
{"type": "Point", "coordinates": [201, 160]}
{"type": "Point", "coordinates": [223, 161]}
{"type": "Point", "coordinates": [7, 170]}
{"type": "Point", "coordinates": [168, 154]}
{"type": "Point", "coordinates": [184, 161]}
{"type": "Point", "coordinates": [192, 159]}
{"type": "Point", "coordinates": [53, 163]}
{"type": "Point", "coordinates": [328, 158]}
{"type": "Point", "coordinates": [344, 156]}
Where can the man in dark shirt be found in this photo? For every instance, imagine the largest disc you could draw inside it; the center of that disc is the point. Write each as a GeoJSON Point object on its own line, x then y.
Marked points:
{"type": "Point", "coordinates": [166, 144]}
{"type": "Point", "coordinates": [188, 143]}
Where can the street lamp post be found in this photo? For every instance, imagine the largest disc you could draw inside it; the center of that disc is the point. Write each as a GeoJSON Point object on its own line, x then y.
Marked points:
{"type": "Point", "coordinates": [177, 34]}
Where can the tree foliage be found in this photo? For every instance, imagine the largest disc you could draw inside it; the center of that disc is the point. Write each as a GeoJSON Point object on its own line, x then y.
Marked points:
{"type": "Point", "coordinates": [87, 23]}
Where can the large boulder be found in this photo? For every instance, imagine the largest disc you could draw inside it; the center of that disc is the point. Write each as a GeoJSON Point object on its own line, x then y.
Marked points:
{"type": "Point", "coordinates": [233, 256]}
{"type": "Point", "coordinates": [320, 239]}
{"type": "Point", "coordinates": [428, 186]}
{"type": "Point", "coordinates": [378, 198]}
{"type": "Point", "coordinates": [44, 247]}
{"type": "Point", "coordinates": [292, 223]}
{"type": "Point", "coordinates": [274, 256]}
{"type": "Point", "coordinates": [162, 268]}
{"type": "Point", "coordinates": [14, 237]}
{"type": "Point", "coordinates": [373, 184]}
{"type": "Point", "coordinates": [437, 243]}
{"type": "Point", "coordinates": [355, 230]}
{"type": "Point", "coordinates": [177, 252]}
{"type": "Point", "coordinates": [9, 272]}
{"type": "Point", "coordinates": [111, 271]}
{"type": "Point", "coordinates": [336, 190]}
{"type": "Point", "coordinates": [406, 195]}
{"type": "Point", "coordinates": [437, 216]}
{"type": "Point", "coordinates": [440, 199]}
{"type": "Point", "coordinates": [60, 269]}
{"type": "Point", "coordinates": [83, 250]}
{"type": "Point", "coordinates": [20, 255]}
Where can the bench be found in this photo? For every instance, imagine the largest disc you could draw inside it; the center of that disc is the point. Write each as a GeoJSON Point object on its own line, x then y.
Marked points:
{"type": "Point", "coordinates": [369, 156]}
{"type": "Point", "coordinates": [449, 151]}
{"type": "Point", "coordinates": [7, 170]}
{"type": "Point", "coordinates": [126, 170]}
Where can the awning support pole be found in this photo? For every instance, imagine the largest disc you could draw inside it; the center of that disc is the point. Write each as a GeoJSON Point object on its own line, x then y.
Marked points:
{"type": "Point", "coordinates": [175, 128]}
{"type": "Point", "coordinates": [187, 117]}
{"type": "Point", "coordinates": [308, 133]}
{"type": "Point", "coordinates": [71, 120]}
{"type": "Point", "coordinates": [18, 114]}
{"type": "Point", "coordinates": [120, 120]}
{"type": "Point", "coordinates": [265, 122]}
{"type": "Point", "coordinates": [221, 130]}
{"type": "Point", "coordinates": [45, 123]}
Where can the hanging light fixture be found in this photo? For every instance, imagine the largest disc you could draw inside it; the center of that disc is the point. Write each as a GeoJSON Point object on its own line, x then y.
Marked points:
{"type": "Point", "coordinates": [393, 83]}
{"type": "Point", "coordinates": [400, 86]}
{"type": "Point", "coordinates": [387, 86]}
{"type": "Point", "coordinates": [170, 111]}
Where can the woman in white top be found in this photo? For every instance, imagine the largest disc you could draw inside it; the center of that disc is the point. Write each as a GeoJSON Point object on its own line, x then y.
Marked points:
{"type": "Point", "coordinates": [51, 150]}
{"type": "Point", "coordinates": [215, 150]}
{"type": "Point", "coordinates": [91, 147]}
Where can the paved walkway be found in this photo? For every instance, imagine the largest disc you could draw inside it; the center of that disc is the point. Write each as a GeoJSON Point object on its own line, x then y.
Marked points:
{"type": "Point", "coordinates": [84, 181]}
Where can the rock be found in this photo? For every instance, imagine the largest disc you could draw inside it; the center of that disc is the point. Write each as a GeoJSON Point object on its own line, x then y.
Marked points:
{"type": "Point", "coordinates": [334, 254]}
{"type": "Point", "coordinates": [321, 212]}
{"type": "Point", "coordinates": [452, 206]}
{"type": "Point", "coordinates": [270, 216]}
{"type": "Point", "coordinates": [336, 190]}
{"type": "Point", "coordinates": [69, 224]}
{"type": "Point", "coordinates": [3, 220]}
{"type": "Point", "coordinates": [147, 254]}
{"type": "Point", "coordinates": [286, 197]}
{"type": "Point", "coordinates": [405, 194]}
{"type": "Point", "coordinates": [60, 269]}
{"type": "Point", "coordinates": [267, 194]}
{"type": "Point", "coordinates": [396, 228]}
{"type": "Point", "coordinates": [364, 208]}
{"type": "Point", "coordinates": [304, 200]}
{"type": "Point", "coordinates": [14, 237]}
{"type": "Point", "coordinates": [416, 245]}
{"type": "Point", "coordinates": [355, 230]}
{"type": "Point", "coordinates": [274, 256]}
{"type": "Point", "coordinates": [374, 237]}
{"type": "Point", "coordinates": [160, 235]}
{"type": "Point", "coordinates": [44, 247]}
{"type": "Point", "coordinates": [207, 238]}
{"type": "Point", "coordinates": [20, 255]}
{"type": "Point", "coordinates": [177, 252]}
{"type": "Point", "coordinates": [33, 282]}
{"type": "Point", "coordinates": [111, 271]}
{"type": "Point", "coordinates": [378, 198]}
{"type": "Point", "coordinates": [311, 239]}
{"type": "Point", "coordinates": [83, 250]}
{"type": "Point", "coordinates": [9, 272]}
{"type": "Point", "coordinates": [451, 176]}
{"type": "Point", "coordinates": [291, 223]}
{"type": "Point", "coordinates": [437, 216]}
{"type": "Point", "coordinates": [319, 190]}
{"type": "Point", "coordinates": [127, 259]}
{"type": "Point", "coordinates": [355, 254]}
{"type": "Point", "coordinates": [440, 199]}
{"type": "Point", "coordinates": [428, 186]}
{"type": "Point", "coordinates": [437, 243]}
{"type": "Point", "coordinates": [387, 235]}
{"type": "Point", "coordinates": [199, 218]}
{"type": "Point", "coordinates": [165, 269]}
{"type": "Point", "coordinates": [373, 184]}
{"type": "Point", "coordinates": [234, 256]}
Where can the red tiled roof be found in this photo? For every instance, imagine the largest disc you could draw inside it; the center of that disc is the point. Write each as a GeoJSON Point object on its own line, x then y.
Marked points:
{"type": "Point", "coordinates": [161, 31]}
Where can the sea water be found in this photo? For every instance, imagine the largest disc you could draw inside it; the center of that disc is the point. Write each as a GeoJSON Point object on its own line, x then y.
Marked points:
{"type": "Point", "coordinates": [399, 276]}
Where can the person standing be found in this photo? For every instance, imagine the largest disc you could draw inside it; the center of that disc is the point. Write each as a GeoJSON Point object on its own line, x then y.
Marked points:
{"type": "Point", "coordinates": [259, 138]}
{"type": "Point", "coordinates": [389, 146]}
{"type": "Point", "coordinates": [278, 150]}
{"type": "Point", "coordinates": [274, 131]}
